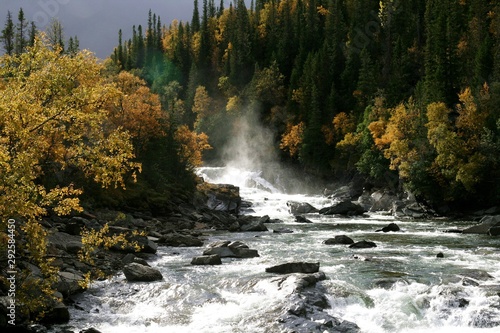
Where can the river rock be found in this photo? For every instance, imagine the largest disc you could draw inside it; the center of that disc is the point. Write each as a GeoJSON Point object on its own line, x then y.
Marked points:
{"type": "Point", "coordinates": [180, 240]}
{"type": "Point", "coordinates": [68, 283]}
{"type": "Point", "coordinates": [392, 227]}
{"type": "Point", "coordinates": [298, 208]}
{"type": "Point", "coordinates": [363, 245]}
{"type": "Point", "coordinates": [228, 249]}
{"type": "Point", "coordinates": [253, 224]}
{"type": "Point", "coordinates": [484, 225]}
{"type": "Point", "coordinates": [294, 267]}
{"type": "Point", "coordinates": [343, 208]}
{"type": "Point", "coordinates": [222, 197]}
{"type": "Point", "coordinates": [130, 258]}
{"type": "Point", "coordinates": [135, 272]}
{"type": "Point", "coordinates": [339, 240]}
{"type": "Point", "coordinates": [302, 219]}
{"type": "Point", "coordinates": [283, 231]}
{"type": "Point", "coordinates": [382, 201]}
{"type": "Point", "coordinates": [213, 259]}
{"type": "Point", "coordinates": [56, 314]}
{"type": "Point", "coordinates": [306, 304]}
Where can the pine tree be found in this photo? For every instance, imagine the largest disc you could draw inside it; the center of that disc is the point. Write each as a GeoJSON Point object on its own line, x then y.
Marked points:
{"type": "Point", "coordinates": [8, 35]}
{"type": "Point", "coordinates": [195, 21]}
{"type": "Point", "coordinates": [21, 27]}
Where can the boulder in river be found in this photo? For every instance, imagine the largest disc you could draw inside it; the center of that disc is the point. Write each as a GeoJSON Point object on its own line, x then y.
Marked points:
{"type": "Point", "coordinates": [298, 208]}
{"type": "Point", "coordinates": [302, 219]}
{"type": "Point", "coordinates": [339, 240]}
{"type": "Point", "coordinates": [213, 259]}
{"type": "Point", "coordinates": [294, 267]}
{"type": "Point", "coordinates": [343, 208]}
{"type": "Point", "coordinates": [135, 272]}
{"type": "Point", "coordinates": [252, 223]}
{"type": "Point", "coordinates": [391, 227]}
{"type": "Point", "coordinates": [222, 197]}
{"type": "Point", "coordinates": [363, 245]}
{"type": "Point", "coordinates": [228, 249]}
{"type": "Point", "coordinates": [484, 225]}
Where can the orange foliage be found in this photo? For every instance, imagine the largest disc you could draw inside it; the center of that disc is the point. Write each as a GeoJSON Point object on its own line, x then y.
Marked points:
{"type": "Point", "coordinates": [292, 138]}
{"type": "Point", "coordinates": [138, 110]}
{"type": "Point", "coordinates": [192, 146]}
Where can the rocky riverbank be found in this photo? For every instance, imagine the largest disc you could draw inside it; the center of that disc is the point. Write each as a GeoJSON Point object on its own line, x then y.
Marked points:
{"type": "Point", "coordinates": [214, 207]}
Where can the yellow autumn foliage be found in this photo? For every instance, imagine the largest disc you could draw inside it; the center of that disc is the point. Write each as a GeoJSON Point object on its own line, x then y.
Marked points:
{"type": "Point", "coordinates": [53, 119]}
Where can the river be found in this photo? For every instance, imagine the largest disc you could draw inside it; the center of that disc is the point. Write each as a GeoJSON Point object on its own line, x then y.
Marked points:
{"type": "Point", "coordinates": [399, 286]}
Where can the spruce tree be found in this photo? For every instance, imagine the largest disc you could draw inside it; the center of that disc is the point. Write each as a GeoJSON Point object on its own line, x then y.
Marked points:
{"type": "Point", "coordinates": [21, 30]}
{"type": "Point", "coordinates": [8, 35]}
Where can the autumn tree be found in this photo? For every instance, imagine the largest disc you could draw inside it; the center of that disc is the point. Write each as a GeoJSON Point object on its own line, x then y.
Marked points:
{"type": "Point", "coordinates": [53, 121]}
{"type": "Point", "coordinates": [138, 111]}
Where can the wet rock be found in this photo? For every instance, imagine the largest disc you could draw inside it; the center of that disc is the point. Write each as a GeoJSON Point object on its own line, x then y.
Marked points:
{"type": "Point", "coordinates": [57, 314]}
{"type": "Point", "coordinates": [294, 267]}
{"type": "Point", "coordinates": [382, 201]}
{"type": "Point", "coordinates": [90, 330]}
{"type": "Point", "coordinates": [252, 224]}
{"type": "Point", "coordinates": [298, 208]}
{"type": "Point", "coordinates": [180, 240]}
{"type": "Point", "coordinates": [228, 249]}
{"type": "Point", "coordinates": [69, 283]}
{"type": "Point", "coordinates": [302, 219]}
{"type": "Point", "coordinates": [135, 272]}
{"type": "Point", "coordinates": [363, 245]}
{"type": "Point", "coordinates": [339, 240]}
{"type": "Point", "coordinates": [283, 231]}
{"type": "Point", "coordinates": [222, 197]}
{"type": "Point", "coordinates": [484, 225]}
{"type": "Point", "coordinates": [213, 259]}
{"type": "Point", "coordinates": [392, 227]}
{"type": "Point", "coordinates": [130, 258]}
{"type": "Point", "coordinates": [440, 255]}
{"type": "Point", "coordinates": [304, 313]}
{"type": "Point", "coordinates": [343, 208]}
{"type": "Point", "coordinates": [349, 191]}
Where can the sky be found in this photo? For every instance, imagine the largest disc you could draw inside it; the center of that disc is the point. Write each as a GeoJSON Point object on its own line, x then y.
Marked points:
{"type": "Point", "coordinates": [97, 22]}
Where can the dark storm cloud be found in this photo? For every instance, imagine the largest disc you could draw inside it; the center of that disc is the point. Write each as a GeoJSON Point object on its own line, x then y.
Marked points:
{"type": "Point", "coordinates": [96, 22]}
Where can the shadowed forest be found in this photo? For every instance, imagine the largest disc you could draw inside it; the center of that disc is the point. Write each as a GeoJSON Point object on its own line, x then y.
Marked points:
{"type": "Point", "coordinates": [402, 92]}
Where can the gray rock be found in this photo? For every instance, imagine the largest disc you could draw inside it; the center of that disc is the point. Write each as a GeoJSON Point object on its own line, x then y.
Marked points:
{"type": "Point", "coordinates": [207, 260]}
{"type": "Point", "coordinates": [382, 201]}
{"type": "Point", "coordinates": [343, 208]}
{"type": "Point", "coordinates": [392, 227]}
{"type": "Point", "coordinates": [294, 267]}
{"type": "Point", "coordinates": [299, 208]}
{"type": "Point", "coordinates": [252, 225]}
{"type": "Point", "coordinates": [484, 225]}
{"type": "Point", "coordinates": [68, 283]}
{"type": "Point", "coordinates": [363, 245]}
{"type": "Point", "coordinates": [228, 249]}
{"type": "Point", "coordinates": [339, 240]}
{"type": "Point", "coordinates": [57, 314]}
{"type": "Point", "coordinates": [130, 258]}
{"type": "Point", "coordinates": [283, 231]}
{"type": "Point", "coordinates": [137, 272]}
{"type": "Point", "coordinates": [302, 219]}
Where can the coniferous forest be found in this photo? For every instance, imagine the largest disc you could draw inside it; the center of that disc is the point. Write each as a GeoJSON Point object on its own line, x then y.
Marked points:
{"type": "Point", "coordinates": [401, 92]}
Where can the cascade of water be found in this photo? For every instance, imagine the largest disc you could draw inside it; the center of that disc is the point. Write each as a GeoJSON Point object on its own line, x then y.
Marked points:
{"type": "Point", "coordinates": [398, 287]}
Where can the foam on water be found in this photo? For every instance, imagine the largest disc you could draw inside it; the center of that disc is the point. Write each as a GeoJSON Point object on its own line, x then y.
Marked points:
{"type": "Point", "coordinates": [398, 287]}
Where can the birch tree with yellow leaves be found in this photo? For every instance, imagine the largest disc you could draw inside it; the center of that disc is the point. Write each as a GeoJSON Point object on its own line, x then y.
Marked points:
{"type": "Point", "coordinates": [54, 119]}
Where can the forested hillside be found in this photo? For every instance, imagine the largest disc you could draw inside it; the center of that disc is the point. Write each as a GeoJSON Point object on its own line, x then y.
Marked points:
{"type": "Point", "coordinates": [400, 91]}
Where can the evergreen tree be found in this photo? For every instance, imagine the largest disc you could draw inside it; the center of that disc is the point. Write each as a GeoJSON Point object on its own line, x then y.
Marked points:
{"type": "Point", "coordinates": [8, 35]}
{"type": "Point", "coordinates": [21, 31]}
{"type": "Point", "coordinates": [195, 21]}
